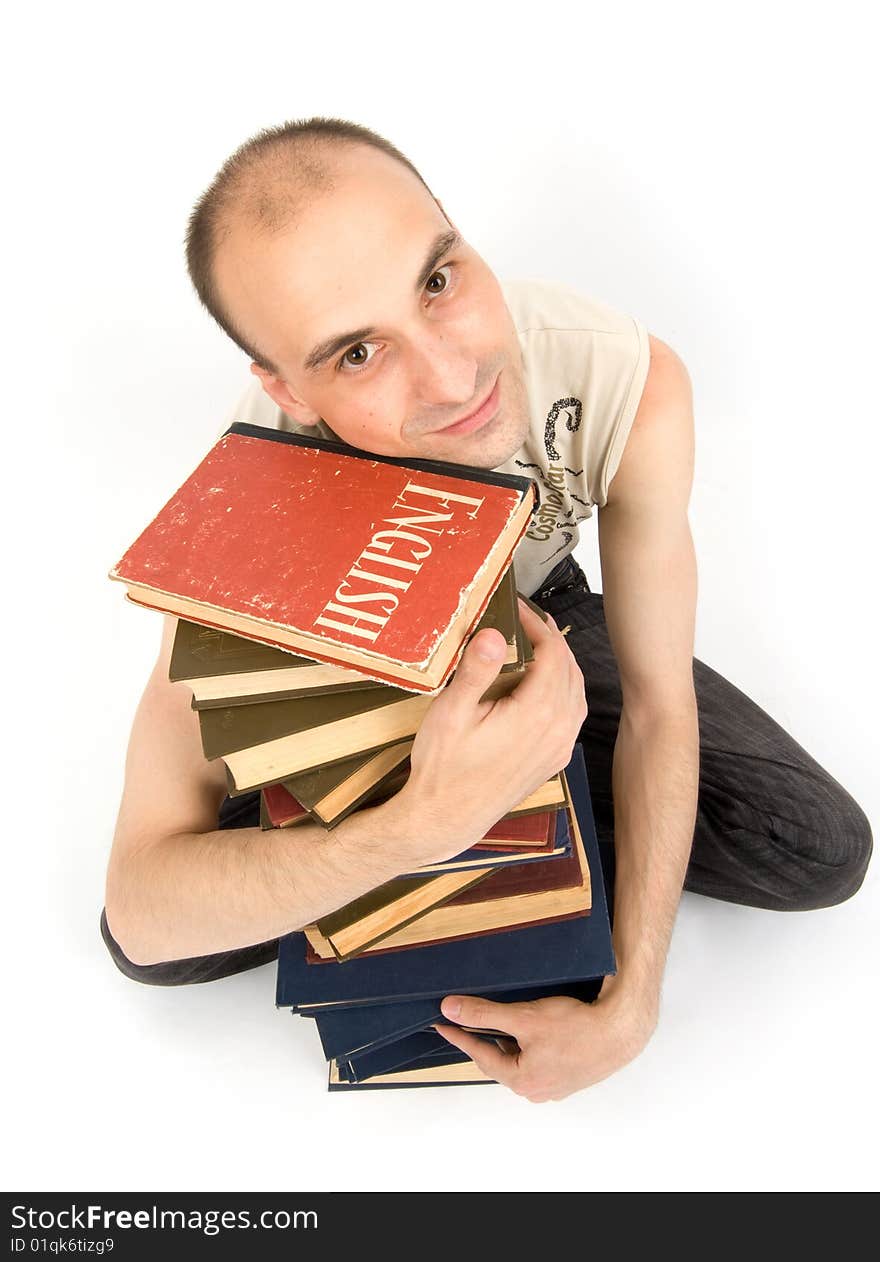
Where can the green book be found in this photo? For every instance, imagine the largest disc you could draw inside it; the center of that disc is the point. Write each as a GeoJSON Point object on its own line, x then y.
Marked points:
{"type": "Point", "coordinates": [240, 727]}
{"type": "Point", "coordinates": [377, 914]}
{"type": "Point", "coordinates": [224, 669]}
{"type": "Point", "coordinates": [332, 793]}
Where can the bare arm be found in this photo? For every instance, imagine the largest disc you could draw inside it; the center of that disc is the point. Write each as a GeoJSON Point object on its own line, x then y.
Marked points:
{"type": "Point", "coordinates": [650, 583]}
{"type": "Point", "coordinates": [177, 886]}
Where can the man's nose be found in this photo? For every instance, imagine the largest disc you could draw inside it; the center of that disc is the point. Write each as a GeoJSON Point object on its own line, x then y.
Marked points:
{"type": "Point", "coordinates": [445, 374]}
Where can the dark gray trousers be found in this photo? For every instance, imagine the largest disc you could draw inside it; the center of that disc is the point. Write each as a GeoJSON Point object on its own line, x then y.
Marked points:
{"type": "Point", "coordinates": [773, 829]}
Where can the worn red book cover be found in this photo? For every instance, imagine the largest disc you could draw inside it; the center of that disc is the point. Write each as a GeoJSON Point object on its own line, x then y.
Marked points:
{"type": "Point", "coordinates": [281, 806]}
{"type": "Point", "coordinates": [380, 564]}
{"type": "Point", "coordinates": [523, 830]}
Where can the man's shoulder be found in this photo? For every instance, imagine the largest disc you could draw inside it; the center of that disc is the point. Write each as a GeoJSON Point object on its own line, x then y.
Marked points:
{"type": "Point", "coordinates": [667, 386]}
{"type": "Point", "coordinates": [658, 459]}
{"type": "Point", "coordinates": [551, 306]}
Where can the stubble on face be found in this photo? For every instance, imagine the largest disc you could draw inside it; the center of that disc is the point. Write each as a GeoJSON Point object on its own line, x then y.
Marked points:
{"type": "Point", "coordinates": [495, 442]}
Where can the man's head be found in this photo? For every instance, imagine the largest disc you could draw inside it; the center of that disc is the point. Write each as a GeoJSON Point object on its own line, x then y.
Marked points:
{"type": "Point", "coordinates": [324, 255]}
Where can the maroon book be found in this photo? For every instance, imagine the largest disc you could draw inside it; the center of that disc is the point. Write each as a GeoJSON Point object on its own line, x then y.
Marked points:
{"type": "Point", "coordinates": [281, 806]}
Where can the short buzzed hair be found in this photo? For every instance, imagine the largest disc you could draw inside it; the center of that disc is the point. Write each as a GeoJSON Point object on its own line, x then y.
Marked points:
{"type": "Point", "coordinates": [265, 182]}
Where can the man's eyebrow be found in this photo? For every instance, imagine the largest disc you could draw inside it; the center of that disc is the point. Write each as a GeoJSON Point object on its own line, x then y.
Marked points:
{"type": "Point", "coordinates": [325, 350]}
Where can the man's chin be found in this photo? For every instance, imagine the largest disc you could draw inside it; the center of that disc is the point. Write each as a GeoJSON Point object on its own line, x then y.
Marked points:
{"type": "Point", "coordinates": [487, 448]}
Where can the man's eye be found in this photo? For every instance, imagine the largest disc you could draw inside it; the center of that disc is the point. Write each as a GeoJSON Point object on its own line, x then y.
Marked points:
{"type": "Point", "coordinates": [357, 350]}
{"type": "Point", "coordinates": [353, 350]}
{"type": "Point", "coordinates": [439, 272]}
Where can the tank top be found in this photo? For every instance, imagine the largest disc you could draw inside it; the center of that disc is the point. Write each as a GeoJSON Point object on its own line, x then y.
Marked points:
{"type": "Point", "coordinates": [585, 367]}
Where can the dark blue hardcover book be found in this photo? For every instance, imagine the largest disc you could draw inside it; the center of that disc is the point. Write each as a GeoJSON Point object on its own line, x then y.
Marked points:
{"type": "Point", "coordinates": [346, 1032]}
{"type": "Point", "coordinates": [420, 1047]}
{"type": "Point", "coordinates": [572, 950]}
{"type": "Point", "coordinates": [423, 1047]}
{"type": "Point", "coordinates": [451, 1056]}
{"type": "Point", "coordinates": [443, 1064]}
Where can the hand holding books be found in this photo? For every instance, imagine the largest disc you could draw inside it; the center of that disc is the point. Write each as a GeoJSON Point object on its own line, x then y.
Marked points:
{"type": "Point", "coordinates": [472, 761]}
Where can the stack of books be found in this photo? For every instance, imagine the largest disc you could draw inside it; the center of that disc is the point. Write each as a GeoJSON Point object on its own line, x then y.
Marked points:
{"type": "Point", "coordinates": [324, 596]}
{"type": "Point", "coordinates": [518, 934]}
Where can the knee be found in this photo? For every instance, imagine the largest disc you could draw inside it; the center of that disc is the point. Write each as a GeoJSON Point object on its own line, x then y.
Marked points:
{"type": "Point", "coordinates": [847, 844]}
{"type": "Point", "coordinates": [781, 864]}
{"type": "Point", "coordinates": [858, 848]}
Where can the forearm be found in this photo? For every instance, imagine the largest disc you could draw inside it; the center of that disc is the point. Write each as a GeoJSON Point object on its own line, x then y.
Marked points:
{"type": "Point", "coordinates": [655, 783]}
{"type": "Point", "coordinates": [198, 893]}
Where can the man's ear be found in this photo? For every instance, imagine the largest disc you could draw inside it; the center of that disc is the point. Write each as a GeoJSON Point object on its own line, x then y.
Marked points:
{"type": "Point", "coordinates": [279, 393]}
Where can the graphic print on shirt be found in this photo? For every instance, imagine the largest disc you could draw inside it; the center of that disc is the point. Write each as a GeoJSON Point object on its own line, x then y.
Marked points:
{"type": "Point", "coordinates": [551, 514]}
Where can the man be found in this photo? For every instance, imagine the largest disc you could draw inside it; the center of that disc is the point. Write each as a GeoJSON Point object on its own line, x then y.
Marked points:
{"type": "Point", "coordinates": [367, 317]}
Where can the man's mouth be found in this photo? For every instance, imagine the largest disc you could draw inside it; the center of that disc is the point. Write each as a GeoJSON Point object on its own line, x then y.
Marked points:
{"type": "Point", "coordinates": [484, 413]}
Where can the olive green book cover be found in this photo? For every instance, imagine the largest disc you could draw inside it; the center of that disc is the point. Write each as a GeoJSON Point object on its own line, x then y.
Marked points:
{"type": "Point", "coordinates": [235, 728]}
{"type": "Point", "coordinates": [392, 906]}
{"type": "Point", "coordinates": [223, 669]}
{"type": "Point", "coordinates": [330, 794]}
{"type": "Point", "coordinates": [258, 765]}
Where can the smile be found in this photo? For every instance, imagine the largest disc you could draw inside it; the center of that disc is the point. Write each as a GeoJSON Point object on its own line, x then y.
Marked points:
{"type": "Point", "coordinates": [484, 413]}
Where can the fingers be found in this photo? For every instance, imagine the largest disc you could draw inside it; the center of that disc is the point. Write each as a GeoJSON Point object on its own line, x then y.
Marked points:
{"type": "Point", "coordinates": [489, 645]}
{"type": "Point", "coordinates": [493, 1062]}
{"type": "Point", "coordinates": [546, 682]}
{"type": "Point", "coordinates": [531, 620]}
{"type": "Point", "coordinates": [538, 631]}
{"type": "Point", "coordinates": [508, 1046]}
{"type": "Point", "coordinates": [577, 682]}
{"type": "Point", "coordinates": [480, 662]}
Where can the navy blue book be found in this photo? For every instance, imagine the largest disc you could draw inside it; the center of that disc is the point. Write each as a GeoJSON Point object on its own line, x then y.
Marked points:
{"type": "Point", "coordinates": [347, 1032]}
{"type": "Point", "coordinates": [431, 1060]}
{"type": "Point", "coordinates": [572, 950]}
{"type": "Point", "coordinates": [449, 1069]}
{"type": "Point", "coordinates": [415, 1048]}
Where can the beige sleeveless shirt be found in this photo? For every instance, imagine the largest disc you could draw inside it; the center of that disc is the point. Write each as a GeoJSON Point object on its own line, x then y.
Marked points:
{"type": "Point", "coordinates": [585, 368]}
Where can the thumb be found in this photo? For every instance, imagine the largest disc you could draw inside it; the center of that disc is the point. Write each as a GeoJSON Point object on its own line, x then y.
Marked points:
{"type": "Point", "coordinates": [480, 662]}
{"type": "Point", "coordinates": [477, 1013]}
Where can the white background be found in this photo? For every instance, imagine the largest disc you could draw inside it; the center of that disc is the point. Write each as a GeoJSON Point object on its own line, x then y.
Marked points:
{"type": "Point", "coordinates": [708, 168]}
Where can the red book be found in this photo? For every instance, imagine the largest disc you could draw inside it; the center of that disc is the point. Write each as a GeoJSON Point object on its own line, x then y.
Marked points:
{"type": "Point", "coordinates": [533, 831]}
{"type": "Point", "coordinates": [281, 806]}
{"type": "Point", "coordinates": [377, 564]}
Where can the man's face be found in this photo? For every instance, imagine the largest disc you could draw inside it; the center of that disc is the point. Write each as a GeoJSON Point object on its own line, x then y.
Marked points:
{"type": "Point", "coordinates": [433, 337]}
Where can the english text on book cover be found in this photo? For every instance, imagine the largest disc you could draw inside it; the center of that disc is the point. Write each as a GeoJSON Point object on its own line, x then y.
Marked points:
{"type": "Point", "coordinates": [351, 550]}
